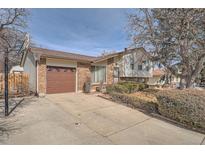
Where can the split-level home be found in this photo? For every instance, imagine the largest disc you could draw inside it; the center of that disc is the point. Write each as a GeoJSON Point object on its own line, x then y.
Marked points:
{"type": "Point", "coordinates": [53, 71]}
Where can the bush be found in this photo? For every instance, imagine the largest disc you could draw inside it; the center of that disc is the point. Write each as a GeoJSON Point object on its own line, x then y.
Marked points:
{"type": "Point", "coordinates": [133, 101]}
{"type": "Point", "coordinates": [117, 88]}
{"type": "Point", "coordinates": [142, 86]}
{"type": "Point", "coordinates": [185, 106]}
{"type": "Point", "coordinates": [130, 86]}
{"type": "Point", "coordinates": [126, 87]}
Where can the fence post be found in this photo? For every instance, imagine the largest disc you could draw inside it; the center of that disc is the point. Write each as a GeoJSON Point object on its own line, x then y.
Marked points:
{"type": "Point", "coordinates": [6, 84]}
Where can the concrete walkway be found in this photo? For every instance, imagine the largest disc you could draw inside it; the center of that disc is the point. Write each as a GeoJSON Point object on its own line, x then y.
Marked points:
{"type": "Point", "coordinates": [87, 119]}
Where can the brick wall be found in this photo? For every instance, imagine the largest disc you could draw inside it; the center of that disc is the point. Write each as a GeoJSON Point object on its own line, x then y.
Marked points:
{"type": "Point", "coordinates": [42, 76]}
{"type": "Point", "coordinates": [84, 74]}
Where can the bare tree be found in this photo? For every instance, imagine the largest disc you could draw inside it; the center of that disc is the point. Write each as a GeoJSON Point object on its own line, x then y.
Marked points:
{"type": "Point", "coordinates": [107, 52]}
{"type": "Point", "coordinates": [173, 37]}
{"type": "Point", "coordinates": [12, 24]}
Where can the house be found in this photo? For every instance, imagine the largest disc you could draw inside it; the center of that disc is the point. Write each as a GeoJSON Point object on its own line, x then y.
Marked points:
{"type": "Point", "coordinates": [161, 76]}
{"type": "Point", "coordinates": [135, 65]}
{"type": "Point", "coordinates": [13, 69]}
{"type": "Point", "coordinates": [53, 71]}
{"type": "Point", "coordinates": [16, 69]}
{"type": "Point", "coordinates": [158, 77]}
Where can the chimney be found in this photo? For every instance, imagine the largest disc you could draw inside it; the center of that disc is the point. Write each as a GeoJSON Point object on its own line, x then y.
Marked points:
{"type": "Point", "coordinates": [125, 49]}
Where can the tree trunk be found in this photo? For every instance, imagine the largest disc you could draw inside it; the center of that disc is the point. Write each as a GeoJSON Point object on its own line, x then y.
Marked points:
{"type": "Point", "coordinates": [189, 80]}
{"type": "Point", "coordinates": [181, 86]}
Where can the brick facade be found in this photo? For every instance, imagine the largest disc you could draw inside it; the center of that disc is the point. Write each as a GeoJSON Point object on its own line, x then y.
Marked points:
{"type": "Point", "coordinates": [42, 76]}
{"type": "Point", "coordinates": [84, 74]}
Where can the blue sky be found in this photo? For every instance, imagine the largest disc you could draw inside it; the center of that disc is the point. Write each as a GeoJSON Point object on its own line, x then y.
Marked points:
{"type": "Point", "coordinates": [85, 31]}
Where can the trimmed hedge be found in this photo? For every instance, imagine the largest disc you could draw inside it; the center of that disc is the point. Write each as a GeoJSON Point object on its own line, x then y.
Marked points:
{"type": "Point", "coordinates": [185, 106]}
{"type": "Point", "coordinates": [116, 88]}
{"type": "Point", "coordinates": [126, 87]}
{"type": "Point", "coordinates": [133, 101]}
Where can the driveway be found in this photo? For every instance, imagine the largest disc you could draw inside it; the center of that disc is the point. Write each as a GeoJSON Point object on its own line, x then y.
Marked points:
{"type": "Point", "coordinates": [87, 119]}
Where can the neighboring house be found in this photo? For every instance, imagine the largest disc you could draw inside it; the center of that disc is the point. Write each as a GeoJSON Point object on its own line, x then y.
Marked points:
{"type": "Point", "coordinates": [161, 77]}
{"type": "Point", "coordinates": [158, 77]}
{"type": "Point", "coordinates": [59, 72]}
{"type": "Point", "coordinates": [16, 69]}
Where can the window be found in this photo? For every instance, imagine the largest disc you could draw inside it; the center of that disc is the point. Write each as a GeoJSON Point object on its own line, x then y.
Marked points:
{"type": "Point", "coordinates": [139, 67]}
{"type": "Point", "coordinates": [98, 74]}
{"type": "Point", "coordinates": [147, 68]}
{"type": "Point", "coordinates": [132, 66]}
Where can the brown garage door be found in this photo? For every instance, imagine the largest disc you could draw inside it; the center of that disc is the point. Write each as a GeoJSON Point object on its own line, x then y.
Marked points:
{"type": "Point", "coordinates": [60, 80]}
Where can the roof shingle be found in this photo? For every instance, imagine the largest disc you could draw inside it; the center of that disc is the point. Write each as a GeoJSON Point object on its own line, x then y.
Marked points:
{"type": "Point", "coordinates": [60, 54]}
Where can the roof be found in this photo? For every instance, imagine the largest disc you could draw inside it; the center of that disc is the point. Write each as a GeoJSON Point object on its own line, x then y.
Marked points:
{"type": "Point", "coordinates": [158, 72]}
{"type": "Point", "coordinates": [74, 56]}
{"type": "Point", "coordinates": [104, 57]}
{"type": "Point", "coordinates": [17, 68]}
{"type": "Point", "coordinates": [60, 54]}
{"type": "Point", "coordinates": [127, 51]}
{"type": "Point", "coordinates": [135, 50]}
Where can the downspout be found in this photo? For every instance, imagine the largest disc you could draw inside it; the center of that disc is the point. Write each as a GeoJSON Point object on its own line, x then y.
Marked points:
{"type": "Point", "coordinates": [76, 78]}
{"type": "Point", "coordinates": [37, 58]}
{"type": "Point", "coordinates": [37, 77]}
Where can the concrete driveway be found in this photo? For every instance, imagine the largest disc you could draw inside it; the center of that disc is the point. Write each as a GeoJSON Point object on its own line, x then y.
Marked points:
{"type": "Point", "coordinates": [87, 119]}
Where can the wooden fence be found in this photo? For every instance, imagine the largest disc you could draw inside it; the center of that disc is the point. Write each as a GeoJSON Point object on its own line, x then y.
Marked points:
{"type": "Point", "coordinates": [18, 84]}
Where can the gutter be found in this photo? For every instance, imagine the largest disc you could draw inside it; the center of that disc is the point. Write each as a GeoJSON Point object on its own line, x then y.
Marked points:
{"type": "Point", "coordinates": [102, 59]}
{"type": "Point", "coordinates": [71, 59]}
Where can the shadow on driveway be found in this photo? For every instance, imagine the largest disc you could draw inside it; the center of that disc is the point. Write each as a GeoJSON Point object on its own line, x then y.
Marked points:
{"type": "Point", "coordinates": [9, 125]}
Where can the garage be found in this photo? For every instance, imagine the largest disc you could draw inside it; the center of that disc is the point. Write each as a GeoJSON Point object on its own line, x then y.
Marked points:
{"type": "Point", "coordinates": [60, 79]}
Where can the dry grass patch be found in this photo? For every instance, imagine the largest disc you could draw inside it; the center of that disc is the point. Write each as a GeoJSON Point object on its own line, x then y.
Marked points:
{"type": "Point", "coordinates": [148, 97]}
{"type": "Point", "coordinates": [147, 104]}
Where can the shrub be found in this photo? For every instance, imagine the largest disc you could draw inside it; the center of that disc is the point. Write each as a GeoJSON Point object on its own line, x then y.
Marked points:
{"type": "Point", "coordinates": [117, 88]}
{"type": "Point", "coordinates": [126, 87]}
{"type": "Point", "coordinates": [142, 86]}
{"type": "Point", "coordinates": [133, 101]}
{"type": "Point", "coordinates": [185, 106]}
{"type": "Point", "coordinates": [130, 86]}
